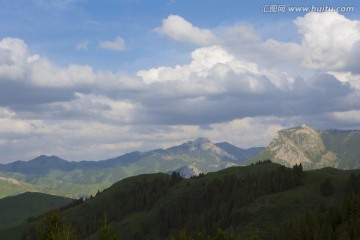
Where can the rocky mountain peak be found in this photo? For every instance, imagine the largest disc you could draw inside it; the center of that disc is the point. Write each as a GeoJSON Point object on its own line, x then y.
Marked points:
{"type": "Point", "coordinates": [199, 143]}
{"type": "Point", "coordinates": [307, 138]}
{"type": "Point", "coordinates": [201, 140]}
{"type": "Point", "coordinates": [301, 144]}
{"type": "Point", "coordinates": [187, 171]}
{"type": "Point", "coordinates": [304, 126]}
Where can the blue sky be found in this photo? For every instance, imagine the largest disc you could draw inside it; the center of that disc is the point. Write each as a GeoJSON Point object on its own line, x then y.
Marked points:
{"type": "Point", "coordinates": [55, 28]}
{"type": "Point", "coordinates": [94, 79]}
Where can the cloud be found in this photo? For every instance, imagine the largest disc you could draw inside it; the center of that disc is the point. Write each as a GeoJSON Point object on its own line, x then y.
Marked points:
{"type": "Point", "coordinates": [118, 44]}
{"type": "Point", "coordinates": [236, 87]}
{"type": "Point", "coordinates": [35, 71]}
{"type": "Point", "coordinates": [218, 87]}
{"type": "Point", "coordinates": [215, 87]}
{"type": "Point", "coordinates": [14, 56]}
{"type": "Point", "coordinates": [203, 60]}
{"type": "Point", "coordinates": [83, 46]}
{"type": "Point", "coordinates": [178, 29]}
{"type": "Point", "coordinates": [329, 40]}
{"type": "Point", "coordinates": [34, 87]}
{"type": "Point", "coordinates": [92, 107]}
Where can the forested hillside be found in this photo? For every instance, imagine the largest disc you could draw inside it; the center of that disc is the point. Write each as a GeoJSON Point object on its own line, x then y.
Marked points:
{"type": "Point", "coordinates": [262, 201]}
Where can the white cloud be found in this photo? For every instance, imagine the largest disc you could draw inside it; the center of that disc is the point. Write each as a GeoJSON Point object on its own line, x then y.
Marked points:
{"type": "Point", "coordinates": [118, 44]}
{"type": "Point", "coordinates": [214, 70]}
{"type": "Point", "coordinates": [83, 46]}
{"type": "Point", "coordinates": [96, 107]}
{"type": "Point", "coordinates": [178, 29]}
{"type": "Point", "coordinates": [13, 55]}
{"type": "Point", "coordinates": [240, 90]}
{"type": "Point", "coordinates": [16, 63]}
{"type": "Point", "coordinates": [328, 40]}
{"type": "Point", "coordinates": [45, 73]}
{"type": "Point", "coordinates": [205, 61]}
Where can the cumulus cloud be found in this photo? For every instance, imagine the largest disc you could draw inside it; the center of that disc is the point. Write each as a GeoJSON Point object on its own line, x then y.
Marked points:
{"type": "Point", "coordinates": [329, 40]}
{"type": "Point", "coordinates": [243, 84]}
{"type": "Point", "coordinates": [14, 57]}
{"type": "Point", "coordinates": [18, 64]}
{"type": "Point", "coordinates": [218, 87]}
{"type": "Point", "coordinates": [203, 60]}
{"type": "Point", "coordinates": [118, 44]}
{"type": "Point", "coordinates": [178, 29]}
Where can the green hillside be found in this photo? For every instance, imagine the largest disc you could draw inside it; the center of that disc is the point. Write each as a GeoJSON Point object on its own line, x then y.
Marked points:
{"type": "Point", "coordinates": [242, 201]}
{"type": "Point", "coordinates": [11, 186]}
{"type": "Point", "coordinates": [17, 209]}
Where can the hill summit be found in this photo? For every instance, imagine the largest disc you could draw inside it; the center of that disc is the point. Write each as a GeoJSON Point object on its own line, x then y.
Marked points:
{"type": "Point", "coordinates": [187, 171]}
{"type": "Point", "coordinates": [314, 148]}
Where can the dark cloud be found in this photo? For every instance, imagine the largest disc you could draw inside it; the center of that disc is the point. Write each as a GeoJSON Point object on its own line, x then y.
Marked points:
{"type": "Point", "coordinates": [19, 95]}
{"type": "Point", "coordinates": [319, 94]}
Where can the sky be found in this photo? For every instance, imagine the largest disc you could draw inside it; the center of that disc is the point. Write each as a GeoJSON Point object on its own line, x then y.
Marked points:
{"type": "Point", "coordinates": [92, 80]}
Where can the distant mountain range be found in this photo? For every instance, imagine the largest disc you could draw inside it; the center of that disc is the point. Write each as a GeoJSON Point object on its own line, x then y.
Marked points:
{"type": "Point", "coordinates": [76, 179]}
{"type": "Point", "coordinates": [50, 174]}
{"type": "Point", "coordinates": [314, 148]}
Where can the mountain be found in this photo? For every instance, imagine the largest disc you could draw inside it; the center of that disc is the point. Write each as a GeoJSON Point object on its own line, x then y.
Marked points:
{"type": "Point", "coordinates": [314, 148]}
{"type": "Point", "coordinates": [239, 200]}
{"type": "Point", "coordinates": [187, 171]}
{"type": "Point", "coordinates": [85, 178]}
{"type": "Point", "coordinates": [44, 164]}
{"type": "Point", "coordinates": [224, 151]}
{"type": "Point", "coordinates": [39, 165]}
